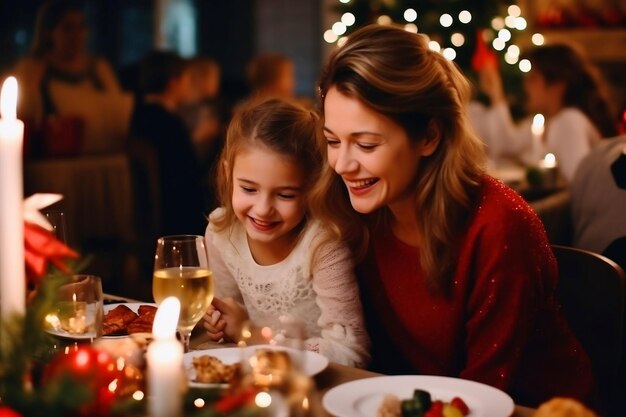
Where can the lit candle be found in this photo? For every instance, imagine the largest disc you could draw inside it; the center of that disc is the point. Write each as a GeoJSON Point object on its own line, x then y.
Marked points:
{"type": "Point", "coordinates": [537, 129]}
{"type": "Point", "coordinates": [165, 363]}
{"type": "Point", "coordinates": [12, 269]}
{"type": "Point", "coordinates": [548, 168]}
{"type": "Point", "coordinates": [548, 161]}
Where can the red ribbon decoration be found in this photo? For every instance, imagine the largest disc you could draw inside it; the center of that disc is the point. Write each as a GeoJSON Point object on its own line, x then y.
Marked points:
{"type": "Point", "coordinates": [483, 55]}
{"type": "Point", "coordinates": [40, 248]}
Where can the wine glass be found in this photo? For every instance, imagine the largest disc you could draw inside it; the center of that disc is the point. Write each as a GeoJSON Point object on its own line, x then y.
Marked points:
{"type": "Point", "coordinates": [181, 270]}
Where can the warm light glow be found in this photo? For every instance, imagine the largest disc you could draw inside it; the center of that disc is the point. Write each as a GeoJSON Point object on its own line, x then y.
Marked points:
{"type": "Point", "coordinates": [549, 161]}
{"type": "Point", "coordinates": [537, 126]}
{"type": "Point", "coordinates": [449, 54]}
{"type": "Point", "coordinates": [344, 1]}
{"type": "Point", "coordinates": [8, 99]}
{"type": "Point", "coordinates": [166, 319]}
{"type": "Point", "coordinates": [266, 332]}
{"type": "Point", "coordinates": [339, 28]}
{"type": "Point", "coordinates": [514, 10]}
{"type": "Point", "coordinates": [138, 395]}
{"type": "Point", "coordinates": [446, 20]}
{"type": "Point", "coordinates": [513, 50]}
{"type": "Point", "coordinates": [434, 46]}
{"type": "Point", "coordinates": [509, 21]}
{"type": "Point", "coordinates": [538, 39]}
{"type": "Point", "coordinates": [457, 39]}
{"type": "Point", "coordinates": [511, 59]}
{"type": "Point", "coordinates": [330, 36]}
{"type": "Point", "coordinates": [410, 15]}
{"type": "Point", "coordinates": [263, 399]}
{"type": "Point", "coordinates": [82, 358]}
{"type": "Point", "coordinates": [348, 19]}
{"type": "Point", "coordinates": [498, 44]}
{"type": "Point", "coordinates": [524, 65]}
{"type": "Point", "coordinates": [505, 35]}
{"type": "Point", "coordinates": [411, 27]}
{"type": "Point", "coordinates": [465, 16]}
{"type": "Point", "coordinates": [383, 20]}
{"type": "Point", "coordinates": [341, 41]}
{"type": "Point", "coordinates": [497, 23]}
{"type": "Point", "coordinates": [520, 23]}
{"type": "Point", "coordinates": [113, 385]}
{"type": "Point", "coordinates": [198, 402]}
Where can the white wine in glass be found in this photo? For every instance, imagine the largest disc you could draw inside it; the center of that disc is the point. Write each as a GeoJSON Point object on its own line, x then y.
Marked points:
{"type": "Point", "coordinates": [181, 270]}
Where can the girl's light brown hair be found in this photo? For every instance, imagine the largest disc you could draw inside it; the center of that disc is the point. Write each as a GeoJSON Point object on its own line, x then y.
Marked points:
{"type": "Point", "coordinates": [279, 125]}
{"type": "Point", "coordinates": [393, 72]}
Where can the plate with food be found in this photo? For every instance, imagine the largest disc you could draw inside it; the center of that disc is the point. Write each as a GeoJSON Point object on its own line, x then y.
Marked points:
{"type": "Point", "coordinates": [215, 367]}
{"type": "Point", "coordinates": [414, 395]}
{"type": "Point", "coordinates": [123, 319]}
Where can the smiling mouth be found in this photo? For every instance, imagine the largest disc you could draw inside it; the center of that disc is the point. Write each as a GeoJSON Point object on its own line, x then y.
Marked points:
{"type": "Point", "coordinates": [262, 224]}
{"type": "Point", "coordinates": [361, 184]}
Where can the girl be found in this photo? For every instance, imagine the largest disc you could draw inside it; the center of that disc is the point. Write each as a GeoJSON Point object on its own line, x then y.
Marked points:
{"type": "Point", "coordinates": [268, 256]}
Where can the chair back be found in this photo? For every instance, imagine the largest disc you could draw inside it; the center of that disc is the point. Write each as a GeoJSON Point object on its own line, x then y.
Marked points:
{"type": "Point", "coordinates": [592, 292]}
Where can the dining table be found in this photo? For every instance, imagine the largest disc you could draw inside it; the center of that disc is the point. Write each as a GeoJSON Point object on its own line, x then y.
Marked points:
{"type": "Point", "coordinates": [333, 375]}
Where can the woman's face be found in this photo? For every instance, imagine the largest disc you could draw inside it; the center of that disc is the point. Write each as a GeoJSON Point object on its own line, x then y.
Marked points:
{"type": "Point", "coordinates": [373, 154]}
{"type": "Point", "coordinates": [542, 97]}
{"type": "Point", "coordinates": [69, 36]}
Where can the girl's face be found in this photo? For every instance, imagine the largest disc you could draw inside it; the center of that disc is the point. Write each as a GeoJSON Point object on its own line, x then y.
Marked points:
{"type": "Point", "coordinates": [268, 198]}
{"type": "Point", "coordinates": [372, 153]}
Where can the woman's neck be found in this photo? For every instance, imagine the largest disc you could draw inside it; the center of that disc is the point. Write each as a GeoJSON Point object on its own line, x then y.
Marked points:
{"type": "Point", "coordinates": [73, 63]}
{"type": "Point", "coordinates": [404, 223]}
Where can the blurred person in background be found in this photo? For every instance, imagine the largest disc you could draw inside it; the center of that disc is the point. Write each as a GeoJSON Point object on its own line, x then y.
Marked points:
{"type": "Point", "coordinates": [60, 78]}
{"type": "Point", "coordinates": [157, 123]}
{"type": "Point", "coordinates": [567, 90]}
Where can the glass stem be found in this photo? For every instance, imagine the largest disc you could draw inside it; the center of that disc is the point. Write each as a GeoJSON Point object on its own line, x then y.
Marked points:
{"type": "Point", "coordinates": [185, 337]}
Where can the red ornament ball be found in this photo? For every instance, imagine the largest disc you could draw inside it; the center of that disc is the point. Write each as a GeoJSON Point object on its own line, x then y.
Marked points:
{"type": "Point", "coordinates": [9, 412]}
{"type": "Point", "coordinates": [91, 368]}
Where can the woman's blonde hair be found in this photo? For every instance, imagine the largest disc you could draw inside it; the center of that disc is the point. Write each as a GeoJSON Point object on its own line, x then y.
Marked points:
{"type": "Point", "coordinates": [393, 72]}
{"type": "Point", "coordinates": [276, 124]}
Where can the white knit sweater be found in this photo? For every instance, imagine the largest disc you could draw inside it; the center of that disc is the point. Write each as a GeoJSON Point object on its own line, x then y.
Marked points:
{"type": "Point", "coordinates": [321, 292]}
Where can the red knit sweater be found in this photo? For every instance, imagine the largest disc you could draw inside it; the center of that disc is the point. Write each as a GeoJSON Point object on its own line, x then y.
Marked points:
{"type": "Point", "coordinates": [501, 324]}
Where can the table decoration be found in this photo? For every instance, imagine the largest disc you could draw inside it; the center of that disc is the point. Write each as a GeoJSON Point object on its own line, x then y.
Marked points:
{"type": "Point", "coordinates": [41, 375]}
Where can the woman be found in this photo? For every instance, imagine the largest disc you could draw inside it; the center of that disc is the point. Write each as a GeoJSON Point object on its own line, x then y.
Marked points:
{"type": "Point", "coordinates": [564, 87]}
{"type": "Point", "coordinates": [60, 78]}
{"type": "Point", "coordinates": [459, 279]}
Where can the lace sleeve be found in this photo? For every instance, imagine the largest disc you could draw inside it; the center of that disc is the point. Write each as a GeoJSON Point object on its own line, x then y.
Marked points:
{"type": "Point", "coordinates": [343, 337]}
{"type": "Point", "coordinates": [223, 280]}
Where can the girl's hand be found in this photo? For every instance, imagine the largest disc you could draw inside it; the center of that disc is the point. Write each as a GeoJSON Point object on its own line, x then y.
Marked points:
{"type": "Point", "coordinates": [228, 325]}
{"type": "Point", "coordinates": [211, 323]}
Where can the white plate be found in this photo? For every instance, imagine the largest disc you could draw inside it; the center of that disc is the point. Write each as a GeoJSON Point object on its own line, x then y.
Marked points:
{"type": "Point", "coordinates": [73, 336]}
{"type": "Point", "coordinates": [362, 398]}
{"type": "Point", "coordinates": [133, 306]}
{"type": "Point", "coordinates": [314, 363]}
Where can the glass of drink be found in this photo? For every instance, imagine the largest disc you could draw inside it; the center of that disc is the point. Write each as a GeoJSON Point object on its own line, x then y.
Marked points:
{"type": "Point", "coordinates": [181, 270]}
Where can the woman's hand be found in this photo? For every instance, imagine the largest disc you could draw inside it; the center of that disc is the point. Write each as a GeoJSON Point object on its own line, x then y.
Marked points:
{"type": "Point", "coordinates": [224, 319]}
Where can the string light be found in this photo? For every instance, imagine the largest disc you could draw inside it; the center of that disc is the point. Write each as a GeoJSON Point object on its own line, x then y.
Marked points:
{"type": "Point", "coordinates": [410, 15]}
{"type": "Point", "coordinates": [497, 23]}
{"type": "Point", "coordinates": [341, 41]}
{"type": "Point", "coordinates": [449, 54]}
{"type": "Point", "coordinates": [348, 19]}
{"type": "Point", "coordinates": [509, 21]}
{"type": "Point", "coordinates": [524, 65]}
{"type": "Point", "coordinates": [434, 46]}
{"type": "Point", "coordinates": [514, 10]}
{"type": "Point", "coordinates": [513, 50]}
{"type": "Point", "coordinates": [520, 23]}
{"type": "Point", "coordinates": [457, 39]}
{"type": "Point", "coordinates": [465, 16]}
{"type": "Point", "coordinates": [498, 44]}
{"type": "Point", "coordinates": [446, 20]}
{"type": "Point", "coordinates": [344, 1]}
{"type": "Point", "coordinates": [411, 27]}
{"type": "Point", "coordinates": [339, 28]}
{"type": "Point", "coordinates": [538, 39]}
{"type": "Point", "coordinates": [505, 35]}
{"type": "Point", "coordinates": [384, 20]}
{"type": "Point", "coordinates": [330, 36]}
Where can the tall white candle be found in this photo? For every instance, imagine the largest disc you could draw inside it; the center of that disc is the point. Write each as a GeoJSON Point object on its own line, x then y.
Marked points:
{"type": "Point", "coordinates": [165, 363]}
{"type": "Point", "coordinates": [12, 269]}
{"type": "Point", "coordinates": [537, 129]}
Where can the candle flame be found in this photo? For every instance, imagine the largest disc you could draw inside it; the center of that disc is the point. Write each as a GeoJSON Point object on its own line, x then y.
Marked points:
{"type": "Point", "coordinates": [166, 319]}
{"type": "Point", "coordinates": [8, 99]}
{"type": "Point", "coordinates": [538, 123]}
